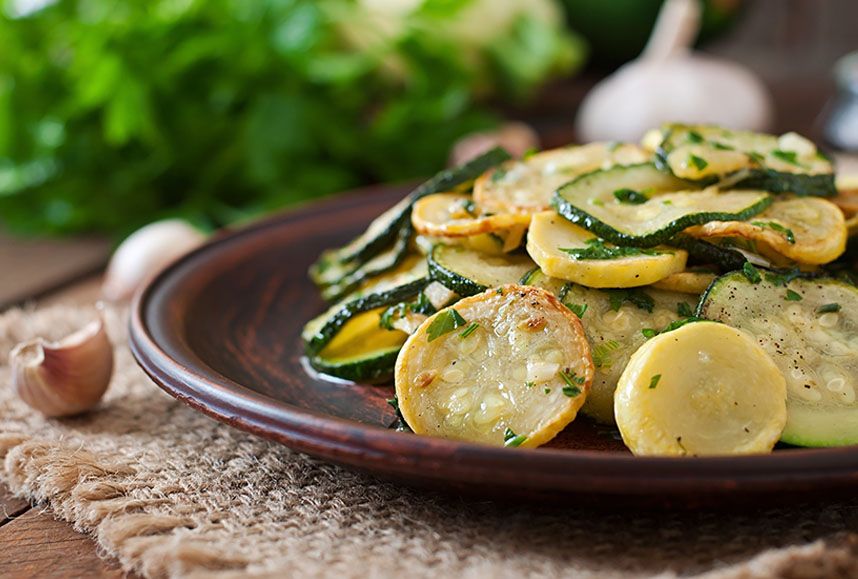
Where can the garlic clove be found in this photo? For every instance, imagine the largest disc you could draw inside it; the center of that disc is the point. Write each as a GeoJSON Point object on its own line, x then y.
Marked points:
{"type": "Point", "coordinates": [66, 377]}
{"type": "Point", "coordinates": [146, 252]}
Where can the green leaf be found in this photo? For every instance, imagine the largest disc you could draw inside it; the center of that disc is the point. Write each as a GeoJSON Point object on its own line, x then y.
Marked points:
{"type": "Point", "coordinates": [828, 308]}
{"type": "Point", "coordinates": [751, 273]}
{"type": "Point", "coordinates": [792, 296]}
{"type": "Point", "coordinates": [649, 333]}
{"type": "Point", "coordinates": [444, 323]}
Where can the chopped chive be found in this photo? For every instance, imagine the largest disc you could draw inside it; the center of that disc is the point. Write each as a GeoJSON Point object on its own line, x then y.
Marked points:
{"type": "Point", "coordinates": [751, 273]}
{"type": "Point", "coordinates": [469, 330]}
{"type": "Point", "coordinates": [570, 378]}
{"type": "Point", "coordinates": [653, 382]}
{"type": "Point", "coordinates": [828, 308]}
{"type": "Point", "coordinates": [510, 438]}
{"type": "Point", "coordinates": [578, 310]}
{"type": "Point", "coordinates": [571, 391]}
{"type": "Point", "coordinates": [792, 296]}
{"type": "Point", "coordinates": [602, 353]}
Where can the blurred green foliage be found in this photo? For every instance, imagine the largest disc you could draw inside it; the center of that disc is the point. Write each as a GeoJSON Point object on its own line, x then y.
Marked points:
{"type": "Point", "coordinates": [114, 113]}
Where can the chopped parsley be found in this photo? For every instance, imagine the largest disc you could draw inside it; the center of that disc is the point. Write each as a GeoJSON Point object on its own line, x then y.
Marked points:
{"type": "Point", "coordinates": [649, 333]}
{"type": "Point", "coordinates": [782, 278]}
{"type": "Point", "coordinates": [528, 384]}
{"type": "Point", "coordinates": [790, 157]}
{"type": "Point", "coordinates": [776, 227]}
{"type": "Point", "coordinates": [694, 137]}
{"type": "Point", "coordinates": [396, 312]}
{"type": "Point", "coordinates": [596, 249]}
{"type": "Point", "coordinates": [499, 291]}
{"type": "Point", "coordinates": [636, 297]}
{"type": "Point", "coordinates": [751, 273]}
{"type": "Point", "coordinates": [548, 390]}
{"type": "Point", "coordinates": [757, 157]}
{"type": "Point", "coordinates": [679, 323]}
{"type": "Point", "coordinates": [602, 354]}
{"type": "Point", "coordinates": [445, 322]}
{"type": "Point", "coordinates": [792, 296]}
{"type": "Point", "coordinates": [472, 327]}
{"type": "Point", "coordinates": [653, 382]}
{"type": "Point", "coordinates": [401, 425]}
{"type": "Point", "coordinates": [578, 310]}
{"type": "Point", "coordinates": [510, 438]}
{"type": "Point", "coordinates": [470, 207]}
{"type": "Point", "coordinates": [530, 152]}
{"type": "Point", "coordinates": [684, 310]}
{"type": "Point", "coordinates": [698, 162]}
{"type": "Point", "coordinates": [828, 308]}
{"type": "Point", "coordinates": [630, 196]}
{"type": "Point", "coordinates": [720, 146]}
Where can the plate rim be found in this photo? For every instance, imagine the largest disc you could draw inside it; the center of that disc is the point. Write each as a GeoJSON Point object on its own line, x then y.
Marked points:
{"type": "Point", "coordinates": [399, 455]}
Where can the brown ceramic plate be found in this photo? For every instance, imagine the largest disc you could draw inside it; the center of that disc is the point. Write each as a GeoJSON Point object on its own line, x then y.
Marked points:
{"type": "Point", "coordinates": [220, 330]}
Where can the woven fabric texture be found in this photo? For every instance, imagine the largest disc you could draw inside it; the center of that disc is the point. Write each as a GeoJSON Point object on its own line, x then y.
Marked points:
{"type": "Point", "coordinates": [172, 493]}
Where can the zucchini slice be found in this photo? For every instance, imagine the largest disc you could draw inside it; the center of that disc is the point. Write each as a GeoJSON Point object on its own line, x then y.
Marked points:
{"type": "Point", "coordinates": [810, 329]}
{"type": "Point", "coordinates": [468, 272]}
{"type": "Point", "coordinates": [505, 367]}
{"type": "Point", "coordinates": [569, 252]}
{"type": "Point", "coordinates": [456, 215]}
{"type": "Point", "coordinates": [708, 154]}
{"type": "Point", "coordinates": [702, 389]}
{"type": "Point", "coordinates": [361, 351]}
{"type": "Point", "coordinates": [596, 202]}
{"type": "Point", "coordinates": [804, 229]}
{"type": "Point", "coordinates": [537, 278]}
{"type": "Point", "coordinates": [686, 282]}
{"type": "Point", "coordinates": [385, 229]}
{"type": "Point", "coordinates": [615, 322]}
{"type": "Point", "coordinates": [401, 284]}
{"type": "Point", "coordinates": [526, 186]}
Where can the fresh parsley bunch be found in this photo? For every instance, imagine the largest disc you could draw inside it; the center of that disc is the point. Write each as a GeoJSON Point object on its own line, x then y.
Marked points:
{"type": "Point", "coordinates": [113, 114]}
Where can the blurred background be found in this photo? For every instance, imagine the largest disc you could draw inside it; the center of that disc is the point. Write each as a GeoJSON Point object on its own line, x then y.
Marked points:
{"type": "Point", "coordinates": [117, 113]}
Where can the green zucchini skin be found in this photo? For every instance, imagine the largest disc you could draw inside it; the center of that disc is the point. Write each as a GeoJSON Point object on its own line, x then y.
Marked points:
{"type": "Point", "coordinates": [818, 357]}
{"type": "Point", "coordinates": [317, 340]}
{"type": "Point", "coordinates": [704, 252]}
{"type": "Point", "coordinates": [604, 182]}
{"type": "Point", "coordinates": [373, 368]}
{"type": "Point", "coordinates": [758, 176]}
{"type": "Point", "coordinates": [350, 260]}
{"type": "Point", "coordinates": [468, 283]}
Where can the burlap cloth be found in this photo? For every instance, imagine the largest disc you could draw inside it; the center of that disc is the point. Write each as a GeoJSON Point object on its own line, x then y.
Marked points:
{"type": "Point", "coordinates": [172, 493]}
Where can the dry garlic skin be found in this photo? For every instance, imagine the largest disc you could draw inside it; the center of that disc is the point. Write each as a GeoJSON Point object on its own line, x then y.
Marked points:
{"type": "Point", "coordinates": [702, 389]}
{"type": "Point", "coordinates": [511, 361]}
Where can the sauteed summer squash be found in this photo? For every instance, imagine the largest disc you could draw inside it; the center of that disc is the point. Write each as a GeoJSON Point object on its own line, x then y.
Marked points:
{"type": "Point", "coordinates": [504, 296]}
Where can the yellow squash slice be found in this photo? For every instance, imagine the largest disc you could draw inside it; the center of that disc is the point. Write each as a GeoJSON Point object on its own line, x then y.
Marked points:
{"type": "Point", "coordinates": [702, 389]}
{"type": "Point", "coordinates": [550, 235]}
{"type": "Point", "coordinates": [527, 185]}
{"type": "Point", "coordinates": [456, 215]}
{"type": "Point", "coordinates": [804, 229]}
{"type": "Point", "coordinates": [509, 366]}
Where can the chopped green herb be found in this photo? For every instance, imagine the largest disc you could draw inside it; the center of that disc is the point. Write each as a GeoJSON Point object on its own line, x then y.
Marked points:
{"type": "Point", "coordinates": [596, 249]}
{"type": "Point", "coordinates": [510, 438]}
{"type": "Point", "coordinates": [470, 207]}
{"type": "Point", "coordinates": [499, 174]}
{"type": "Point", "coordinates": [499, 291]}
{"type": "Point", "coordinates": [694, 137]}
{"type": "Point", "coordinates": [530, 152]}
{"type": "Point", "coordinates": [602, 354]}
{"type": "Point", "coordinates": [570, 378]}
{"type": "Point", "coordinates": [445, 322]}
{"type": "Point", "coordinates": [788, 157]}
{"type": "Point", "coordinates": [827, 308]}
{"type": "Point", "coordinates": [422, 305]}
{"type": "Point", "coordinates": [630, 196]}
{"type": "Point", "coordinates": [757, 157]}
{"type": "Point", "coordinates": [792, 296]}
{"type": "Point", "coordinates": [751, 273]}
{"type": "Point", "coordinates": [472, 327]}
{"type": "Point", "coordinates": [401, 425]}
{"type": "Point", "coordinates": [571, 391]}
{"type": "Point", "coordinates": [636, 297]}
{"type": "Point", "coordinates": [782, 278]}
{"type": "Point", "coordinates": [698, 162]}
{"type": "Point", "coordinates": [395, 312]}
{"type": "Point", "coordinates": [548, 390]}
{"type": "Point", "coordinates": [529, 384]}
{"type": "Point", "coordinates": [667, 202]}
{"type": "Point", "coordinates": [823, 157]}
{"type": "Point", "coordinates": [720, 146]}
{"type": "Point", "coordinates": [578, 310]}
{"type": "Point", "coordinates": [597, 202]}
{"type": "Point", "coordinates": [653, 382]}
{"type": "Point", "coordinates": [649, 333]}
{"type": "Point", "coordinates": [679, 323]}
{"type": "Point", "coordinates": [776, 227]}
{"type": "Point", "coordinates": [684, 310]}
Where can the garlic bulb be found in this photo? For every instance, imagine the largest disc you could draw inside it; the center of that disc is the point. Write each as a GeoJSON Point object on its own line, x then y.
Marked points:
{"type": "Point", "coordinates": [146, 252]}
{"type": "Point", "coordinates": [670, 82]}
{"type": "Point", "coordinates": [66, 377]}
